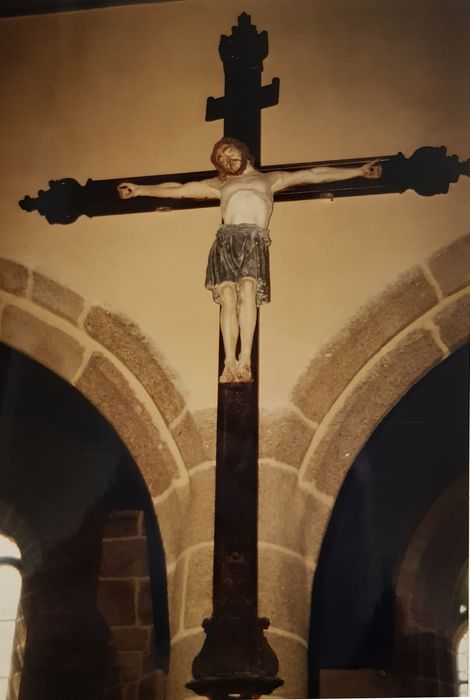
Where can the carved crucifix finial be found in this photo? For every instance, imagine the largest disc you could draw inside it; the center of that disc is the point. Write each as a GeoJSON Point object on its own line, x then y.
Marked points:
{"type": "Point", "coordinates": [245, 48]}
{"type": "Point", "coordinates": [242, 54]}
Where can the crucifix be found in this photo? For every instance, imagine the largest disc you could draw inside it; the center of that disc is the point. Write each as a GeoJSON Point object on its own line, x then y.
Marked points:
{"type": "Point", "coordinates": [236, 659]}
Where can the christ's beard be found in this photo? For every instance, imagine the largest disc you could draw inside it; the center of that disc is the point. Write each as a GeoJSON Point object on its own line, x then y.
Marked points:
{"type": "Point", "coordinates": [239, 171]}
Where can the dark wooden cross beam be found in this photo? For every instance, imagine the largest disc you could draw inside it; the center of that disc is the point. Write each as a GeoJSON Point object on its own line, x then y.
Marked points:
{"type": "Point", "coordinates": [236, 659]}
{"type": "Point", "coordinates": [429, 171]}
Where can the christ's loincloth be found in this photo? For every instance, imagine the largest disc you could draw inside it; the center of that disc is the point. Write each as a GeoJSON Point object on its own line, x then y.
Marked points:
{"type": "Point", "coordinates": [240, 250]}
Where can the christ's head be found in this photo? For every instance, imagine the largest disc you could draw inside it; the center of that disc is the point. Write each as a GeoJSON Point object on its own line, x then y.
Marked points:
{"type": "Point", "coordinates": [230, 157]}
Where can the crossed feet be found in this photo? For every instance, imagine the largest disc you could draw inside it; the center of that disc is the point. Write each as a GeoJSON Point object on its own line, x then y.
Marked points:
{"type": "Point", "coordinates": [236, 372]}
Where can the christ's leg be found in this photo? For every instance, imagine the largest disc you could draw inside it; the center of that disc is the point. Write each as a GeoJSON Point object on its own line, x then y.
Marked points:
{"type": "Point", "coordinates": [229, 328]}
{"type": "Point", "coordinates": [247, 312]}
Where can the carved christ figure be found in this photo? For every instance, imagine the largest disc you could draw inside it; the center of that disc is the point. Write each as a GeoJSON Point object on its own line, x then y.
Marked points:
{"type": "Point", "coordinates": [238, 265]}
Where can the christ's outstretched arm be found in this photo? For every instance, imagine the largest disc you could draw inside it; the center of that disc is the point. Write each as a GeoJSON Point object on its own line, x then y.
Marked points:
{"type": "Point", "coordinates": [204, 189]}
{"type": "Point", "coordinates": [281, 179]}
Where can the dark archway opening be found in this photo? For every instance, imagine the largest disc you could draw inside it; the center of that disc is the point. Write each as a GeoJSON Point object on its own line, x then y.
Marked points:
{"type": "Point", "coordinates": [84, 507]}
{"type": "Point", "coordinates": [414, 455]}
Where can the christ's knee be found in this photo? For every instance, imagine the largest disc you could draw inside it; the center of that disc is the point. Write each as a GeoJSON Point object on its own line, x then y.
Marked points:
{"type": "Point", "coordinates": [228, 297]}
{"type": "Point", "coordinates": [247, 291]}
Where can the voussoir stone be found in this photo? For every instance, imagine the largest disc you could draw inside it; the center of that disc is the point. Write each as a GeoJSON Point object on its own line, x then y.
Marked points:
{"type": "Point", "coordinates": [284, 436]}
{"type": "Point", "coordinates": [13, 277]}
{"type": "Point", "coordinates": [186, 516]}
{"type": "Point", "coordinates": [370, 329]}
{"type": "Point", "coordinates": [57, 298]}
{"type": "Point", "coordinates": [206, 423]}
{"type": "Point", "coordinates": [279, 493]}
{"type": "Point", "coordinates": [451, 265]}
{"type": "Point", "coordinates": [124, 339]}
{"type": "Point", "coordinates": [48, 345]}
{"type": "Point", "coordinates": [104, 385]}
{"type": "Point", "coordinates": [189, 441]}
{"type": "Point", "coordinates": [454, 322]}
{"type": "Point", "coordinates": [387, 381]}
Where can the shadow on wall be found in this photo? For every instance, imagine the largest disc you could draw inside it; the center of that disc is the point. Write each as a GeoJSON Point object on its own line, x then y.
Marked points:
{"type": "Point", "coordinates": [72, 495]}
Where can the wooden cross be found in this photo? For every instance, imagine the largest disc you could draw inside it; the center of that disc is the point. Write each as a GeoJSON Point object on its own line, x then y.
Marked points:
{"type": "Point", "coordinates": [236, 659]}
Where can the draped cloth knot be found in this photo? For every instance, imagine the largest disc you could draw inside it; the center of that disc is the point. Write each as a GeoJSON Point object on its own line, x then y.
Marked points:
{"type": "Point", "coordinates": [239, 251]}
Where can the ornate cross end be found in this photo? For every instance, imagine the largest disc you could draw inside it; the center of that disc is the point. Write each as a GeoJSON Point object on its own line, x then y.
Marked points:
{"type": "Point", "coordinates": [242, 53]}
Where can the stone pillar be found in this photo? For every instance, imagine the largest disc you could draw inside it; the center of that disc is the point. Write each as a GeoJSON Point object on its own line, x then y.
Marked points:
{"type": "Point", "coordinates": [125, 602]}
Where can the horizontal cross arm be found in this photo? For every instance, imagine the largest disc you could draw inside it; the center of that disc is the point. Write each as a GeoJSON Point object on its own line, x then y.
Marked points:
{"type": "Point", "coordinates": [429, 171]}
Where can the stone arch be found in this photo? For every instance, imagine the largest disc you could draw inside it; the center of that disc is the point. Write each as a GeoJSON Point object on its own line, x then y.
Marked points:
{"type": "Point", "coordinates": [116, 367]}
{"type": "Point", "coordinates": [391, 343]}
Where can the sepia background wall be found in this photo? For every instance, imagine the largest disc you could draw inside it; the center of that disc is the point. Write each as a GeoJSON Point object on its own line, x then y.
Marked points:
{"type": "Point", "coordinates": [363, 289]}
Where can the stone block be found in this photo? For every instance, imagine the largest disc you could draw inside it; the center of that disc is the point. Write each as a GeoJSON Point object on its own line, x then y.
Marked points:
{"type": "Point", "coordinates": [13, 277]}
{"type": "Point", "coordinates": [144, 603]}
{"type": "Point", "coordinates": [124, 523]}
{"type": "Point", "coordinates": [107, 389]}
{"type": "Point", "coordinates": [279, 493]}
{"type": "Point", "coordinates": [131, 638]}
{"type": "Point", "coordinates": [175, 587]}
{"type": "Point", "coordinates": [198, 599]}
{"type": "Point", "coordinates": [44, 343]}
{"type": "Point", "coordinates": [284, 436]}
{"type": "Point", "coordinates": [181, 659]}
{"type": "Point", "coordinates": [130, 664]}
{"type": "Point", "coordinates": [206, 423]}
{"type": "Point", "coordinates": [387, 381]}
{"type": "Point", "coordinates": [371, 328]}
{"type": "Point", "coordinates": [454, 322]}
{"type": "Point", "coordinates": [115, 601]}
{"type": "Point", "coordinates": [153, 686]}
{"type": "Point", "coordinates": [57, 298]}
{"type": "Point", "coordinates": [131, 692]}
{"type": "Point", "coordinates": [451, 265]}
{"type": "Point", "coordinates": [285, 584]}
{"type": "Point", "coordinates": [148, 663]}
{"type": "Point", "coordinates": [186, 517]}
{"type": "Point", "coordinates": [124, 339]}
{"type": "Point", "coordinates": [189, 441]}
{"type": "Point", "coordinates": [293, 665]}
{"type": "Point", "coordinates": [124, 558]}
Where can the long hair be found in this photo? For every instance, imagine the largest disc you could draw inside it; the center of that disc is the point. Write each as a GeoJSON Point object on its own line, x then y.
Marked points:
{"type": "Point", "coordinates": [229, 141]}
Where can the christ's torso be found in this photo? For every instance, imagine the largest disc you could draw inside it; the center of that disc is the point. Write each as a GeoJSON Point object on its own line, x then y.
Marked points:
{"type": "Point", "coordinates": [246, 199]}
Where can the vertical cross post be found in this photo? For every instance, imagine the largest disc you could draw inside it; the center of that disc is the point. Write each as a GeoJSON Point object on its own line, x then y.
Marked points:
{"type": "Point", "coordinates": [236, 659]}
